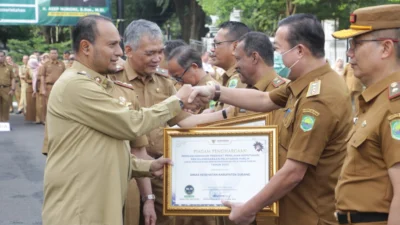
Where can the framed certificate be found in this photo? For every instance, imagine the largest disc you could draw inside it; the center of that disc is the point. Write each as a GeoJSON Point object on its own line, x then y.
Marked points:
{"type": "Point", "coordinates": [256, 120]}
{"type": "Point", "coordinates": [217, 163]}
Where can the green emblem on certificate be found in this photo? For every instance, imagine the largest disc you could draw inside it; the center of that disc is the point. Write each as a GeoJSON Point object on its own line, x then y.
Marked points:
{"type": "Point", "coordinates": [395, 129]}
{"type": "Point", "coordinates": [307, 123]}
{"type": "Point", "coordinates": [233, 83]}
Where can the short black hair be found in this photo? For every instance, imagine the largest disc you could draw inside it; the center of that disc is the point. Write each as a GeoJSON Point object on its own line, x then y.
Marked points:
{"type": "Point", "coordinates": [260, 43]}
{"type": "Point", "coordinates": [86, 29]}
{"type": "Point", "coordinates": [171, 45]}
{"type": "Point", "coordinates": [53, 49]}
{"type": "Point", "coordinates": [235, 29]}
{"type": "Point", "coordinates": [4, 54]}
{"type": "Point", "coordinates": [67, 52]}
{"type": "Point", "coordinates": [185, 56]}
{"type": "Point", "coordinates": [305, 29]}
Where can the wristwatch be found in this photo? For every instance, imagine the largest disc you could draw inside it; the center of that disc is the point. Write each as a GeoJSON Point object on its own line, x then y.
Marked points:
{"type": "Point", "coordinates": [148, 197]}
{"type": "Point", "coordinates": [181, 104]}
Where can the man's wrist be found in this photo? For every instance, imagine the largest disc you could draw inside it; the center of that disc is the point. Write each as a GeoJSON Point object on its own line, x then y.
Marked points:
{"type": "Point", "coordinates": [217, 92]}
{"type": "Point", "coordinates": [151, 197]}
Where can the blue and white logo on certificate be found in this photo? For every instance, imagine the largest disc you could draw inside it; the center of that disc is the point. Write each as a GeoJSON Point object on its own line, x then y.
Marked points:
{"type": "Point", "coordinates": [189, 189]}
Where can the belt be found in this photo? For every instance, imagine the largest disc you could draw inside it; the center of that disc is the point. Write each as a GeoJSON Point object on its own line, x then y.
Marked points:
{"type": "Point", "coordinates": [50, 83]}
{"type": "Point", "coordinates": [360, 217]}
{"type": "Point", "coordinates": [4, 86]}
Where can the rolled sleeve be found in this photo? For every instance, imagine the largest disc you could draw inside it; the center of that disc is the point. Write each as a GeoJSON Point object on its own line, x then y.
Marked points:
{"type": "Point", "coordinates": [313, 126]}
{"type": "Point", "coordinates": [280, 96]}
{"type": "Point", "coordinates": [140, 167]}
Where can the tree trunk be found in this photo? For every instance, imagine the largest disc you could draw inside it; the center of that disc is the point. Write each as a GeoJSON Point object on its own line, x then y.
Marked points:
{"type": "Point", "coordinates": [192, 19]}
{"type": "Point", "coordinates": [290, 8]}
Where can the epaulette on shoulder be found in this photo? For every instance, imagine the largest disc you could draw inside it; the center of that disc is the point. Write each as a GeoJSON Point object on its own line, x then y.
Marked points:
{"type": "Point", "coordinates": [394, 90]}
{"type": "Point", "coordinates": [122, 84]}
{"type": "Point", "coordinates": [162, 72]}
{"type": "Point", "coordinates": [277, 82]}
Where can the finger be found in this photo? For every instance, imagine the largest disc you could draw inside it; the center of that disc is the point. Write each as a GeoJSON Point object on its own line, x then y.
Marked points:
{"type": "Point", "coordinates": [158, 173]}
{"type": "Point", "coordinates": [192, 95]}
{"type": "Point", "coordinates": [227, 203]}
{"type": "Point", "coordinates": [147, 220]}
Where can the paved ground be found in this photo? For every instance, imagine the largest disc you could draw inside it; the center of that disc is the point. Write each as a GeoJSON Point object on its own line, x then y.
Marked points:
{"type": "Point", "coordinates": [21, 173]}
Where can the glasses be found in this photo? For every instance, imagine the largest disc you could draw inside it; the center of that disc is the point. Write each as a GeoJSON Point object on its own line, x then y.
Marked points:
{"type": "Point", "coordinates": [180, 78]}
{"type": "Point", "coordinates": [215, 44]}
{"type": "Point", "coordinates": [354, 43]}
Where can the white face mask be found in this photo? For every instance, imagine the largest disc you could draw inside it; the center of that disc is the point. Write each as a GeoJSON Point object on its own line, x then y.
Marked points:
{"type": "Point", "coordinates": [285, 70]}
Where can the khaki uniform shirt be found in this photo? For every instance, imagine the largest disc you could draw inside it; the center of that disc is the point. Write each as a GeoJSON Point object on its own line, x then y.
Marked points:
{"type": "Point", "coordinates": [313, 131]}
{"type": "Point", "coordinates": [353, 83]}
{"type": "Point", "coordinates": [89, 163]}
{"type": "Point", "coordinates": [230, 79]}
{"type": "Point", "coordinates": [373, 147]}
{"type": "Point", "coordinates": [156, 88]}
{"type": "Point", "coordinates": [6, 74]}
{"type": "Point", "coordinates": [267, 83]}
{"type": "Point", "coordinates": [51, 71]}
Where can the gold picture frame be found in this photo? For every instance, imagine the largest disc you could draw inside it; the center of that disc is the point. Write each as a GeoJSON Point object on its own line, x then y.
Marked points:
{"type": "Point", "coordinates": [176, 138]}
{"type": "Point", "coordinates": [248, 120]}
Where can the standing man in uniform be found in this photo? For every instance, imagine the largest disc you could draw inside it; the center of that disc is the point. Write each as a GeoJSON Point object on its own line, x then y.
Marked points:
{"type": "Point", "coordinates": [255, 64]}
{"type": "Point", "coordinates": [7, 87]}
{"type": "Point", "coordinates": [368, 190]}
{"type": "Point", "coordinates": [89, 163]}
{"type": "Point", "coordinates": [23, 70]}
{"type": "Point", "coordinates": [312, 138]}
{"type": "Point", "coordinates": [186, 67]}
{"type": "Point", "coordinates": [225, 42]}
{"type": "Point", "coordinates": [143, 41]}
{"type": "Point", "coordinates": [17, 91]}
{"type": "Point", "coordinates": [49, 73]}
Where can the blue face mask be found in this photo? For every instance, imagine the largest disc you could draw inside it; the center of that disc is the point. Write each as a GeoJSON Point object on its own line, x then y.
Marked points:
{"type": "Point", "coordinates": [280, 67]}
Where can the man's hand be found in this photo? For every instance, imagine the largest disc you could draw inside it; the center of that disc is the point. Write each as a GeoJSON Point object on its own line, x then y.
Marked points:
{"type": "Point", "coordinates": [238, 213]}
{"type": "Point", "coordinates": [11, 92]}
{"type": "Point", "coordinates": [149, 213]}
{"type": "Point", "coordinates": [43, 92]}
{"type": "Point", "coordinates": [205, 92]}
{"type": "Point", "coordinates": [34, 94]}
{"type": "Point", "coordinates": [184, 93]}
{"type": "Point", "coordinates": [157, 166]}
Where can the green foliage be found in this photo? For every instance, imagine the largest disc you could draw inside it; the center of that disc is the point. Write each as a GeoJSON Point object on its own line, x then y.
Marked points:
{"type": "Point", "coordinates": [20, 48]}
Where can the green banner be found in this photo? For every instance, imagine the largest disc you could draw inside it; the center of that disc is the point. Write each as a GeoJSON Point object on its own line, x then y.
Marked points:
{"type": "Point", "coordinates": [50, 12]}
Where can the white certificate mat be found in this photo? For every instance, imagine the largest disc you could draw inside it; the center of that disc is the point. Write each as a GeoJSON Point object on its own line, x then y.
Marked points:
{"type": "Point", "coordinates": [214, 164]}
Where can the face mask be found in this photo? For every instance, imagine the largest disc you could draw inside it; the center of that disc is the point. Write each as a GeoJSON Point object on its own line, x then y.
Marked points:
{"type": "Point", "coordinates": [280, 67]}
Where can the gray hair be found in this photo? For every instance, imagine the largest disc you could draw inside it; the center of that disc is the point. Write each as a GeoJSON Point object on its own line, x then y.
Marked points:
{"type": "Point", "coordinates": [137, 29]}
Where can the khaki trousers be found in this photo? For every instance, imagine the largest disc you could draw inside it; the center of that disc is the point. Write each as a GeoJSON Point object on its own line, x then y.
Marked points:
{"type": "Point", "coordinates": [132, 204]}
{"type": "Point", "coordinates": [22, 101]}
{"type": "Point", "coordinates": [45, 99]}
{"type": "Point", "coordinates": [5, 104]}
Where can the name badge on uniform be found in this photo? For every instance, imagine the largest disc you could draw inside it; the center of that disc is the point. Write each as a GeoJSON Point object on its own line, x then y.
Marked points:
{"type": "Point", "coordinates": [314, 88]}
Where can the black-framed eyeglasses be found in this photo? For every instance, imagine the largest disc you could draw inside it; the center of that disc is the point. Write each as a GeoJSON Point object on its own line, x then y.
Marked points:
{"type": "Point", "coordinates": [353, 43]}
{"type": "Point", "coordinates": [215, 44]}
{"type": "Point", "coordinates": [180, 78]}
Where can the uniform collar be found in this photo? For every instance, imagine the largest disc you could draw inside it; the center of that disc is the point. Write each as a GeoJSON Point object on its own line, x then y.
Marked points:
{"type": "Point", "coordinates": [265, 80]}
{"type": "Point", "coordinates": [231, 71]}
{"type": "Point", "coordinates": [204, 79]}
{"type": "Point", "coordinates": [301, 83]}
{"type": "Point", "coordinates": [54, 62]}
{"type": "Point", "coordinates": [131, 73]}
{"type": "Point", "coordinates": [374, 90]}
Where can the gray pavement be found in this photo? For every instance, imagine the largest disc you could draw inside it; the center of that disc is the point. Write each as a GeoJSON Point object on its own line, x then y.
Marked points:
{"type": "Point", "coordinates": [21, 173]}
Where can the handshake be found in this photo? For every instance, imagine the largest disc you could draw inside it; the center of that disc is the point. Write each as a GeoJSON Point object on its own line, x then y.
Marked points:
{"type": "Point", "coordinates": [194, 98]}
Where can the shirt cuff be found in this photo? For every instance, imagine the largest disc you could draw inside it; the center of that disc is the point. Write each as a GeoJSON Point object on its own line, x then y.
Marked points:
{"type": "Point", "coordinates": [140, 167]}
{"type": "Point", "coordinates": [139, 142]}
{"type": "Point", "coordinates": [173, 105]}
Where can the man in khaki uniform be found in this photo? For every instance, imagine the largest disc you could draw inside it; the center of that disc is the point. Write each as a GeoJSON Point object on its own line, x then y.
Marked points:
{"type": "Point", "coordinates": [312, 133]}
{"type": "Point", "coordinates": [49, 73]}
{"type": "Point", "coordinates": [255, 62]}
{"type": "Point", "coordinates": [23, 69]}
{"type": "Point", "coordinates": [368, 190]}
{"type": "Point", "coordinates": [17, 91]}
{"type": "Point", "coordinates": [353, 84]}
{"type": "Point", "coordinates": [89, 163]}
{"type": "Point", "coordinates": [144, 50]}
{"type": "Point", "coordinates": [7, 87]}
{"type": "Point", "coordinates": [224, 44]}
{"type": "Point", "coordinates": [186, 67]}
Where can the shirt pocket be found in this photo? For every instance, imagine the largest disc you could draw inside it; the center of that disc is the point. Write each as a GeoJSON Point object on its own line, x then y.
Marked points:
{"type": "Point", "coordinates": [361, 162]}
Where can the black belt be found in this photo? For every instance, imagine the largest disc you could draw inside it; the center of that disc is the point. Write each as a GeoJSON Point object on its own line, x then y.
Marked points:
{"type": "Point", "coordinates": [4, 86]}
{"type": "Point", "coordinates": [50, 83]}
{"type": "Point", "coordinates": [360, 217]}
